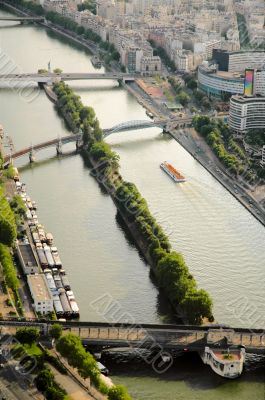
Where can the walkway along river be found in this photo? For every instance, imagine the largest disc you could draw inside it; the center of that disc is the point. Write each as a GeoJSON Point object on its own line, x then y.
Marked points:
{"type": "Point", "coordinates": [229, 262]}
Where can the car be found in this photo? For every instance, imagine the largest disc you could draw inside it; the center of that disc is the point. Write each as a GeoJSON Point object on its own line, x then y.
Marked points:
{"type": "Point", "coordinates": [103, 370]}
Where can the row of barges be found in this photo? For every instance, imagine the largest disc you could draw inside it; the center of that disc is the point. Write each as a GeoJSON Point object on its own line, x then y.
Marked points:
{"type": "Point", "coordinates": [64, 302]}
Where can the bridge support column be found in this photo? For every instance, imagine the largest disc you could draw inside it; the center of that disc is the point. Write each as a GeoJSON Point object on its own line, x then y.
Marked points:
{"type": "Point", "coordinates": [78, 144]}
{"type": "Point", "coordinates": [59, 148]}
{"type": "Point", "coordinates": [32, 157]}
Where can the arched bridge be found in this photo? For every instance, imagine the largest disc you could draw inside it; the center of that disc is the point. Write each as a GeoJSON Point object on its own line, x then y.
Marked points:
{"type": "Point", "coordinates": [51, 143]}
{"type": "Point", "coordinates": [132, 125]}
{"type": "Point", "coordinates": [165, 124]}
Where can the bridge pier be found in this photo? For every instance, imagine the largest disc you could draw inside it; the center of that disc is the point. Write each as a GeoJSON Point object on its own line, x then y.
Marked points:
{"type": "Point", "coordinates": [32, 157]}
{"type": "Point", "coordinates": [78, 144]}
{"type": "Point", "coordinates": [59, 148]}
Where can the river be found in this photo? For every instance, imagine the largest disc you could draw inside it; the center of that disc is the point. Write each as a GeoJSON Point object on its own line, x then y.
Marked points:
{"type": "Point", "coordinates": [222, 243]}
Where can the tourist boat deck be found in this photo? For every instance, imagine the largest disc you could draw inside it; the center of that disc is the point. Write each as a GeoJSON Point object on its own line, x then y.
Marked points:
{"type": "Point", "coordinates": [226, 363]}
{"type": "Point", "coordinates": [172, 172]}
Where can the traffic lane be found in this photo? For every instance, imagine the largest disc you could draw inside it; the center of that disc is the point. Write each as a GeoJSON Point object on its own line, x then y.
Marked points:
{"type": "Point", "coordinates": [12, 387]}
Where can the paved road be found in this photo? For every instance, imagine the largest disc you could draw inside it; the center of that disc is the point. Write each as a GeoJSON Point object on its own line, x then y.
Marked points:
{"type": "Point", "coordinates": [75, 391]}
{"type": "Point", "coordinates": [15, 388]}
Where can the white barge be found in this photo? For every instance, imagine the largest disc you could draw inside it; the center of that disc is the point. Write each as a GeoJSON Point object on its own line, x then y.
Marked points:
{"type": "Point", "coordinates": [226, 363]}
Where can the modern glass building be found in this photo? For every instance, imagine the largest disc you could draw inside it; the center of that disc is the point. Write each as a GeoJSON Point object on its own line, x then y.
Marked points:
{"type": "Point", "coordinates": [217, 84]}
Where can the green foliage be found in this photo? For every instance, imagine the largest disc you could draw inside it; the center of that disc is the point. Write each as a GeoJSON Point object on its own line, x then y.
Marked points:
{"type": "Point", "coordinates": [8, 231]}
{"type": "Point", "coordinates": [196, 304]}
{"type": "Point", "coordinates": [243, 31]}
{"type": "Point", "coordinates": [118, 392]}
{"type": "Point", "coordinates": [55, 331]}
{"type": "Point", "coordinates": [18, 206]}
{"type": "Point", "coordinates": [27, 335]}
{"type": "Point", "coordinates": [255, 137]}
{"type": "Point", "coordinates": [70, 347]}
{"type": "Point", "coordinates": [217, 134]}
{"type": "Point", "coordinates": [57, 70]}
{"type": "Point", "coordinates": [46, 384]}
{"type": "Point", "coordinates": [159, 51]}
{"type": "Point", "coordinates": [8, 267]}
{"type": "Point", "coordinates": [55, 362]}
{"type": "Point", "coordinates": [10, 172]}
{"type": "Point", "coordinates": [176, 283]}
{"type": "Point", "coordinates": [90, 5]}
{"type": "Point", "coordinates": [183, 98]}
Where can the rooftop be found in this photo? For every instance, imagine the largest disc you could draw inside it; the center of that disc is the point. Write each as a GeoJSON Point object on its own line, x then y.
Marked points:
{"type": "Point", "coordinates": [39, 288]}
{"type": "Point", "coordinates": [27, 255]}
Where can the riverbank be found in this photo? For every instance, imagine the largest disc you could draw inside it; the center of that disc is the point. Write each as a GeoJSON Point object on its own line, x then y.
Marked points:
{"type": "Point", "coordinates": [197, 147]}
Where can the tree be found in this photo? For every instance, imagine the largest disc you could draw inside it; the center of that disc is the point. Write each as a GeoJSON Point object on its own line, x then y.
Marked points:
{"type": "Point", "coordinates": [192, 84]}
{"type": "Point", "coordinates": [118, 392]}
{"type": "Point", "coordinates": [196, 305]}
{"type": "Point", "coordinates": [27, 335]}
{"type": "Point", "coordinates": [8, 232]}
{"type": "Point", "coordinates": [44, 380]}
{"type": "Point", "coordinates": [183, 98]}
{"type": "Point", "coordinates": [56, 331]}
{"type": "Point", "coordinates": [57, 70]}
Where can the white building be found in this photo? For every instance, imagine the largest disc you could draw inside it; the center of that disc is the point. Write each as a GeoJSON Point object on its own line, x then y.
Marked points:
{"type": "Point", "coordinates": [40, 293]}
{"type": "Point", "coordinates": [246, 113]}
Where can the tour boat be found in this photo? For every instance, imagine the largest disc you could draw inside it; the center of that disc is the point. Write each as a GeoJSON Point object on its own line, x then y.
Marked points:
{"type": "Point", "coordinates": [226, 363]}
{"type": "Point", "coordinates": [172, 172]}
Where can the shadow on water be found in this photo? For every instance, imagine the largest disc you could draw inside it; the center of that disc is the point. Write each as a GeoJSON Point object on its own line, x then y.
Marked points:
{"type": "Point", "coordinates": [164, 310]}
{"type": "Point", "coordinates": [86, 88]}
{"type": "Point", "coordinates": [66, 41]}
{"type": "Point", "coordinates": [15, 25]}
{"type": "Point", "coordinates": [41, 163]}
{"type": "Point", "coordinates": [188, 368]}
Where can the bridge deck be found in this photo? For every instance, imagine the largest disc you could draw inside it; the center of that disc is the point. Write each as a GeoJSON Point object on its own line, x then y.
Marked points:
{"type": "Point", "coordinates": [50, 76]}
{"type": "Point", "coordinates": [169, 337]}
{"type": "Point", "coordinates": [40, 146]}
